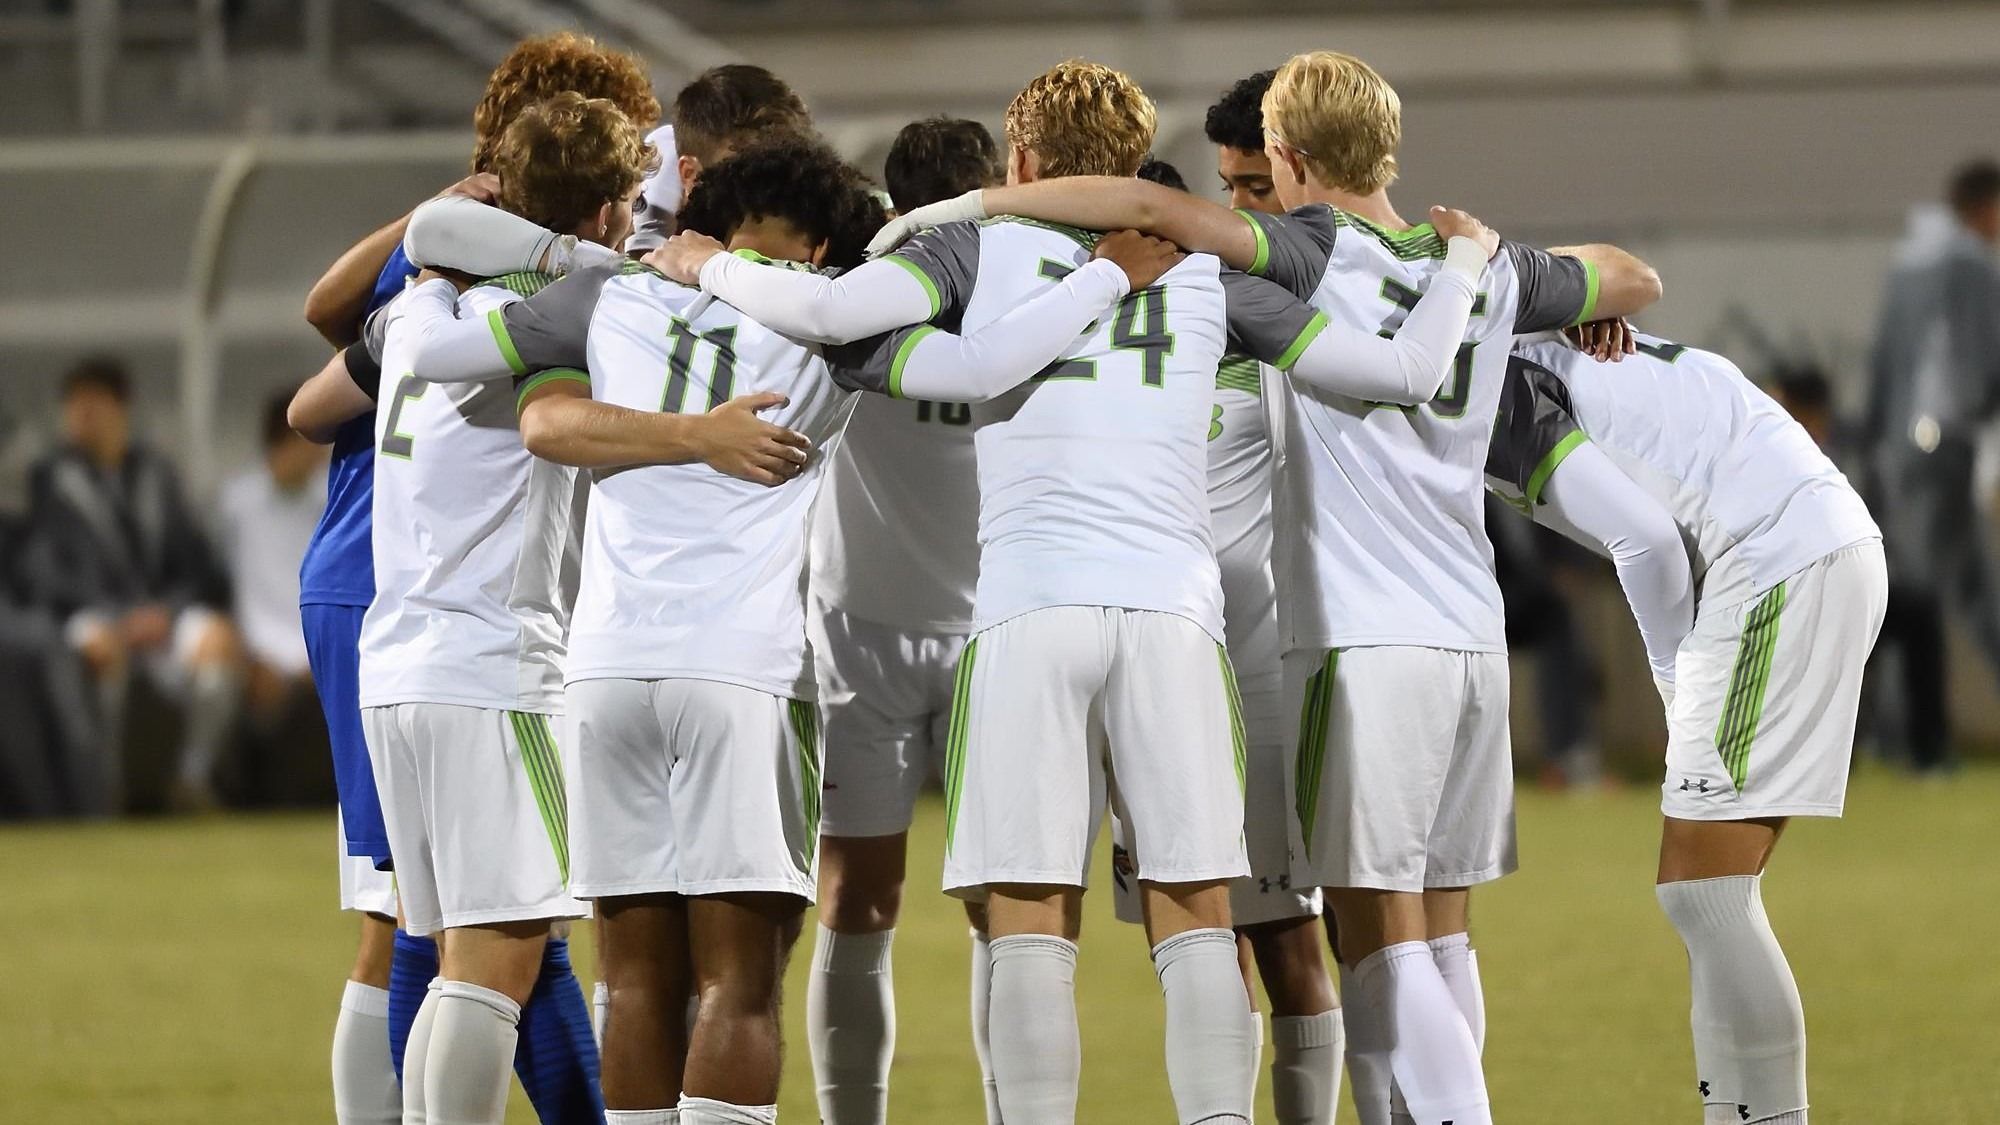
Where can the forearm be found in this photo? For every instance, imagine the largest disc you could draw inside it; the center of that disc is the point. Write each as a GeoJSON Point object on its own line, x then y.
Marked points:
{"type": "Point", "coordinates": [598, 435]}
{"type": "Point", "coordinates": [1121, 203]}
{"type": "Point", "coordinates": [446, 349]}
{"type": "Point", "coordinates": [325, 401]}
{"type": "Point", "coordinates": [1591, 501]}
{"type": "Point", "coordinates": [865, 301]}
{"type": "Point", "coordinates": [460, 233]}
{"type": "Point", "coordinates": [1410, 367]}
{"type": "Point", "coordinates": [1001, 356]}
{"type": "Point", "coordinates": [1626, 286]}
{"type": "Point", "coordinates": [339, 299]}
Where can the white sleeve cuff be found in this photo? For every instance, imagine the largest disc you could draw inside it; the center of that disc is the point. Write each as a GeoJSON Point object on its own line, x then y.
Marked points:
{"type": "Point", "coordinates": [1465, 257]}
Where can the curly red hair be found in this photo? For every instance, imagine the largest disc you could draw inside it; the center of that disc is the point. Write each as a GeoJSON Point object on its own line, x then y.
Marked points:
{"type": "Point", "coordinates": [542, 66]}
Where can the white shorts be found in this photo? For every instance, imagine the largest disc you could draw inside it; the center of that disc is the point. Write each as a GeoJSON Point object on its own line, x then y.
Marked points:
{"type": "Point", "coordinates": [1402, 776]}
{"type": "Point", "coordinates": [693, 787]}
{"type": "Point", "coordinates": [1268, 893]}
{"type": "Point", "coordinates": [1766, 692]}
{"type": "Point", "coordinates": [885, 697]}
{"type": "Point", "coordinates": [362, 887]}
{"type": "Point", "coordinates": [1058, 709]}
{"type": "Point", "coordinates": [474, 803]}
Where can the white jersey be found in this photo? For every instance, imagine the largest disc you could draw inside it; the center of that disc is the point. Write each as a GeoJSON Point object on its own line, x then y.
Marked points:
{"type": "Point", "coordinates": [1239, 505]}
{"type": "Point", "coordinates": [687, 573]}
{"type": "Point", "coordinates": [1381, 536]}
{"type": "Point", "coordinates": [1755, 498]}
{"type": "Point", "coordinates": [474, 541]}
{"type": "Point", "coordinates": [896, 537]}
{"type": "Point", "coordinates": [1093, 476]}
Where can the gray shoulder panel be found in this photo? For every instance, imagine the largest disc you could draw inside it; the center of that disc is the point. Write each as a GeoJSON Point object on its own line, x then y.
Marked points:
{"type": "Point", "coordinates": [1293, 249]}
{"type": "Point", "coordinates": [1555, 291]}
{"type": "Point", "coordinates": [1266, 321]}
{"type": "Point", "coordinates": [551, 328]}
{"type": "Point", "coordinates": [1533, 431]}
{"type": "Point", "coordinates": [946, 260]}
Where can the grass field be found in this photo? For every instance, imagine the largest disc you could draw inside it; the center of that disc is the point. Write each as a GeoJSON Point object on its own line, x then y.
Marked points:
{"type": "Point", "coordinates": [188, 972]}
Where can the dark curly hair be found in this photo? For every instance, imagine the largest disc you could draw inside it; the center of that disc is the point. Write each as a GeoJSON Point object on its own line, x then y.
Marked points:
{"type": "Point", "coordinates": [1161, 172]}
{"type": "Point", "coordinates": [797, 179]}
{"type": "Point", "coordinates": [542, 66]}
{"type": "Point", "coordinates": [1237, 120]}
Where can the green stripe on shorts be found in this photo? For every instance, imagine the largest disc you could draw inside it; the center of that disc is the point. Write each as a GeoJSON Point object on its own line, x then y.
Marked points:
{"type": "Point", "coordinates": [954, 743]}
{"type": "Point", "coordinates": [1238, 741]}
{"type": "Point", "coordinates": [1743, 710]}
{"type": "Point", "coordinates": [1313, 717]}
{"type": "Point", "coordinates": [545, 776]}
{"type": "Point", "coordinates": [805, 725]}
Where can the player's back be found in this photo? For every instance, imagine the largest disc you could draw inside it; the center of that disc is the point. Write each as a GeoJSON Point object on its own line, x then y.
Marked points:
{"type": "Point", "coordinates": [1239, 504]}
{"type": "Point", "coordinates": [1749, 487]}
{"type": "Point", "coordinates": [688, 572]}
{"type": "Point", "coordinates": [1093, 476]}
{"type": "Point", "coordinates": [473, 542]}
{"type": "Point", "coordinates": [1398, 551]}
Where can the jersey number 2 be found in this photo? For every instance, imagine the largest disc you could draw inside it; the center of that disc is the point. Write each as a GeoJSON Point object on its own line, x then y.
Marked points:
{"type": "Point", "coordinates": [396, 443]}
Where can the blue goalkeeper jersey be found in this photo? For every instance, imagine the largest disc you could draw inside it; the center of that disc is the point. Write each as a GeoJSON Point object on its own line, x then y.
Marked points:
{"type": "Point", "coordinates": [339, 567]}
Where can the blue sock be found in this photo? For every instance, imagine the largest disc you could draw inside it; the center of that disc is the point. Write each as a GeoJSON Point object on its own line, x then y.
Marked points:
{"type": "Point", "coordinates": [412, 965]}
{"type": "Point", "coordinates": [556, 1056]}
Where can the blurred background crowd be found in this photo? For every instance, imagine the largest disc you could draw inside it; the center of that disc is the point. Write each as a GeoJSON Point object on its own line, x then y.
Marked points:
{"type": "Point", "coordinates": [216, 155]}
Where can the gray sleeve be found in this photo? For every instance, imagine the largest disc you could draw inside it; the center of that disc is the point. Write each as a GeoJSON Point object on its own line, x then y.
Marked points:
{"type": "Point", "coordinates": [1555, 291]}
{"type": "Point", "coordinates": [364, 368]}
{"type": "Point", "coordinates": [1294, 249]}
{"type": "Point", "coordinates": [550, 329]}
{"type": "Point", "coordinates": [864, 365]}
{"type": "Point", "coordinates": [946, 260]}
{"type": "Point", "coordinates": [1533, 432]}
{"type": "Point", "coordinates": [1267, 321]}
{"type": "Point", "coordinates": [374, 334]}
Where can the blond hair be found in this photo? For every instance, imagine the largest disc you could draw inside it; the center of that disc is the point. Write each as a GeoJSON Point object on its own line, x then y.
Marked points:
{"type": "Point", "coordinates": [565, 157]}
{"type": "Point", "coordinates": [1083, 119]}
{"type": "Point", "coordinates": [1344, 120]}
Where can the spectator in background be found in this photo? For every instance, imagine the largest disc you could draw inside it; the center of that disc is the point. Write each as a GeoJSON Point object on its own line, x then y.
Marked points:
{"type": "Point", "coordinates": [1537, 571]}
{"type": "Point", "coordinates": [115, 552]}
{"type": "Point", "coordinates": [268, 516]}
{"type": "Point", "coordinates": [1936, 383]}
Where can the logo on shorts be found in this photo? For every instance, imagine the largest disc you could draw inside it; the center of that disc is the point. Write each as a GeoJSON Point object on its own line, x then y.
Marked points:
{"type": "Point", "coordinates": [1122, 867]}
{"type": "Point", "coordinates": [1694, 785]}
{"type": "Point", "coordinates": [1704, 1088]}
{"type": "Point", "coordinates": [1266, 884]}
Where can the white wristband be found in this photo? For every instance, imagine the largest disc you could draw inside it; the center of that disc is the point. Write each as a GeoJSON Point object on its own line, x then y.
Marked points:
{"type": "Point", "coordinates": [1465, 256]}
{"type": "Point", "coordinates": [570, 253]}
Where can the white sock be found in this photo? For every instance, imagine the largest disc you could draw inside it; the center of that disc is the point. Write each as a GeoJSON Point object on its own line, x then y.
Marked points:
{"type": "Point", "coordinates": [708, 1111]}
{"type": "Point", "coordinates": [851, 1025]}
{"type": "Point", "coordinates": [1749, 1027]}
{"type": "Point", "coordinates": [470, 1058]}
{"type": "Point", "coordinates": [1369, 1075]}
{"type": "Point", "coordinates": [1256, 1051]}
{"type": "Point", "coordinates": [211, 716]}
{"type": "Point", "coordinates": [1431, 1052]}
{"type": "Point", "coordinates": [642, 1117]}
{"type": "Point", "coordinates": [1305, 1067]}
{"type": "Point", "coordinates": [982, 996]}
{"type": "Point", "coordinates": [1458, 964]}
{"type": "Point", "coordinates": [1211, 1065]}
{"type": "Point", "coordinates": [1031, 1025]}
{"type": "Point", "coordinates": [600, 1003]}
{"type": "Point", "coordinates": [364, 1080]}
{"type": "Point", "coordinates": [416, 1050]}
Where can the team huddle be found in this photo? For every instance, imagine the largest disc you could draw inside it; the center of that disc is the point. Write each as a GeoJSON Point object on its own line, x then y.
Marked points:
{"type": "Point", "coordinates": [712, 508]}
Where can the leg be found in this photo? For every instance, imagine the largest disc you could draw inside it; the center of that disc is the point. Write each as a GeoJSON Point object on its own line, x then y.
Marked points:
{"type": "Point", "coordinates": [485, 975]}
{"type": "Point", "coordinates": [982, 997]}
{"type": "Point", "coordinates": [850, 997]}
{"type": "Point", "coordinates": [648, 973]}
{"type": "Point", "coordinates": [1749, 1026]}
{"type": "Point", "coordinates": [364, 1080]}
{"type": "Point", "coordinates": [556, 1054]}
{"type": "Point", "coordinates": [1448, 924]}
{"type": "Point", "coordinates": [1211, 1063]}
{"type": "Point", "coordinates": [1037, 1050]}
{"type": "Point", "coordinates": [738, 951]}
{"type": "Point", "coordinates": [214, 656]}
{"type": "Point", "coordinates": [1306, 1034]}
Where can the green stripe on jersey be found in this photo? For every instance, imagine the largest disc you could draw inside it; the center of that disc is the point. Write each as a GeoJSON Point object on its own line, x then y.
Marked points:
{"type": "Point", "coordinates": [954, 743]}
{"type": "Point", "coordinates": [525, 282]}
{"type": "Point", "coordinates": [1314, 715]}
{"type": "Point", "coordinates": [1417, 243]}
{"type": "Point", "coordinates": [1238, 740]}
{"type": "Point", "coordinates": [507, 350]}
{"type": "Point", "coordinates": [1743, 710]}
{"type": "Point", "coordinates": [542, 379]}
{"type": "Point", "coordinates": [1591, 282]}
{"type": "Point", "coordinates": [1239, 373]}
{"type": "Point", "coordinates": [1307, 335]}
{"type": "Point", "coordinates": [1539, 479]}
{"type": "Point", "coordinates": [543, 765]}
{"type": "Point", "coordinates": [805, 727]}
{"type": "Point", "coordinates": [923, 279]}
{"type": "Point", "coordinates": [903, 352]}
{"type": "Point", "coordinates": [1263, 259]}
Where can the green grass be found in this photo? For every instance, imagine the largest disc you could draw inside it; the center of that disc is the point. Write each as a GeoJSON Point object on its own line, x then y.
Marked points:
{"type": "Point", "coordinates": [185, 971]}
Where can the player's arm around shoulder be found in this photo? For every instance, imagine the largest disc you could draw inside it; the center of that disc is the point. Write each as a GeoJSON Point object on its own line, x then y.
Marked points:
{"type": "Point", "coordinates": [339, 392]}
{"type": "Point", "coordinates": [1624, 285]}
{"type": "Point", "coordinates": [560, 422]}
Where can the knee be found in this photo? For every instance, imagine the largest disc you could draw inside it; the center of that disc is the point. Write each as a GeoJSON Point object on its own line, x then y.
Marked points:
{"type": "Point", "coordinates": [218, 645]}
{"type": "Point", "coordinates": [857, 900]}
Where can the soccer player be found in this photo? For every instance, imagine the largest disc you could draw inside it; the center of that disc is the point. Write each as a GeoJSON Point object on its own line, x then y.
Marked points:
{"type": "Point", "coordinates": [1085, 563]}
{"type": "Point", "coordinates": [1395, 653]}
{"type": "Point", "coordinates": [689, 677]}
{"type": "Point", "coordinates": [1761, 692]}
{"type": "Point", "coordinates": [337, 582]}
{"type": "Point", "coordinates": [1235, 126]}
{"type": "Point", "coordinates": [895, 555]}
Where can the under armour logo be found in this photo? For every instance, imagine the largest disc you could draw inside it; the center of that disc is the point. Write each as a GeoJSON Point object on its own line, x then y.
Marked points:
{"type": "Point", "coordinates": [1704, 1089]}
{"type": "Point", "coordinates": [1743, 1112]}
{"type": "Point", "coordinates": [1266, 884]}
{"type": "Point", "coordinates": [1689, 785]}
